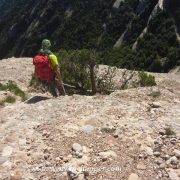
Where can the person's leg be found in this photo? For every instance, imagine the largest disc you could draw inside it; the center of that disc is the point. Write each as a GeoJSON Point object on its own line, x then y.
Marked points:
{"type": "Point", "coordinates": [52, 89]}
{"type": "Point", "coordinates": [44, 86]}
{"type": "Point", "coordinates": [59, 82]}
{"type": "Point", "coordinates": [60, 87]}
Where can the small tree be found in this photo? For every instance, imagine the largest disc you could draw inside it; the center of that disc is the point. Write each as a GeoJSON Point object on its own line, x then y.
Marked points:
{"type": "Point", "coordinates": [78, 68]}
{"type": "Point", "coordinates": [146, 79]}
{"type": "Point", "coordinates": [92, 63]}
{"type": "Point", "coordinates": [105, 83]}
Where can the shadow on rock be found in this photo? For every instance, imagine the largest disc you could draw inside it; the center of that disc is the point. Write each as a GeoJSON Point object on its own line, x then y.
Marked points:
{"type": "Point", "coordinates": [36, 99]}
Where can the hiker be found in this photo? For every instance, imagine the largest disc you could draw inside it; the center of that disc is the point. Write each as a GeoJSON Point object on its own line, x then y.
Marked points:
{"type": "Point", "coordinates": [47, 70]}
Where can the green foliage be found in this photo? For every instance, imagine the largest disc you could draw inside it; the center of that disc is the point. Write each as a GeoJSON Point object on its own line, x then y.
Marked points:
{"type": "Point", "coordinates": [1, 103]}
{"type": "Point", "coordinates": [34, 82]}
{"type": "Point", "coordinates": [78, 68]}
{"type": "Point", "coordinates": [84, 29]}
{"type": "Point", "coordinates": [10, 99]}
{"type": "Point", "coordinates": [157, 51]}
{"type": "Point", "coordinates": [12, 87]}
{"type": "Point", "coordinates": [105, 84]}
{"type": "Point", "coordinates": [169, 131]}
{"type": "Point", "coordinates": [94, 24]}
{"type": "Point", "coordinates": [146, 79]}
{"type": "Point", "coordinates": [35, 85]}
{"type": "Point", "coordinates": [74, 70]}
{"type": "Point", "coordinates": [122, 57]}
{"type": "Point", "coordinates": [159, 46]}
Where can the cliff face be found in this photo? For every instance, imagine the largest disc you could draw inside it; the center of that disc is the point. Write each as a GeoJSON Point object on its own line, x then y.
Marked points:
{"type": "Point", "coordinates": [158, 6]}
{"type": "Point", "coordinates": [23, 24]}
{"type": "Point", "coordinates": [83, 24]}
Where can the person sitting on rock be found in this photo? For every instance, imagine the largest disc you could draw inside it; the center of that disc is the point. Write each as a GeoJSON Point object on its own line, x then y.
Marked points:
{"type": "Point", "coordinates": [47, 70]}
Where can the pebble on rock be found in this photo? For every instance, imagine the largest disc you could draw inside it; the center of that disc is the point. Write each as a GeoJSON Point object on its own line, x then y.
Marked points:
{"type": "Point", "coordinates": [16, 175]}
{"type": "Point", "coordinates": [77, 147]}
{"type": "Point", "coordinates": [72, 172]}
{"type": "Point", "coordinates": [3, 159]}
{"type": "Point", "coordinates": [133, 176]}
{"type": "Point", "coordinates": [77, 150]}
{"type": "Point", "coordinates": [149, 151]}
{"type": "Point", "coordinates": [172, 160]}
{"type": "Point", "coordinates": [108, 129]}
{"type": "Point", "coordinates": [157, 153]}
{"type": "Point", "coordinates": [7, 151]}
{"type": "Point", "coordinates": [107, 154]}
{"type": "Point", "coordinates": [177, 153]}
{"type": "Point", "coordinates": [162, 166]}
{"type": "Point", "coordinates": [155, 105]}
{"type": "Point", "coordinates": [173, 175]}
{"type": "Point", "coordinates": [141, 166]}
{"type": "Point", "coordinates": [87, 129]}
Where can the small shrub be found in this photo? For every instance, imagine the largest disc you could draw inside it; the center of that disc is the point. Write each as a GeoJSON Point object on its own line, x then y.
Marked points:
{"type": "Point", "coordinates": [169, 131]}
{"type": "Point", "coordinates": [127, 79]}
{"type": "Point", "coordinates": [12, 87]}
{"type": "Point", "coordinates": [108, 129]}
{"type": "Point", "coordinates": [146, 79]}
{"type": "Point", "coordinates": [34, 82]}
{"type": "Point", "coordinates": [78, 69]}
{"type": "Point", "coordinates": [105, 84]}
{"type": "Point", "coordinates": [1, 103]}
{"type": "Point", "coordinates": [74, 70]}
{"type": "Point", "coordinates": [10, 99]}
{"type": "Point", "coordinates": [36, 85]}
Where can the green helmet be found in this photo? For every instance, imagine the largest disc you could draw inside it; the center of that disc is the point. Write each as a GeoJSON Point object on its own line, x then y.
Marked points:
{"type": "Point", "coordinates": [46, 44]}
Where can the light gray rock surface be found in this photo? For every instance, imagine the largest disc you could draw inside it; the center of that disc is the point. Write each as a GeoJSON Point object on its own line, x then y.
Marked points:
{"type": "Point", "coordinates": [43, 133]}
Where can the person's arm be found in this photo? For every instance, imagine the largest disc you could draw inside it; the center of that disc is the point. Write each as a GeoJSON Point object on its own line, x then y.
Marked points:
{"type": "Point", "coordinates": [54, 61]}
{"type": "Point", "coordinates": [56, 69]}
{"type": "Point", "coordinates": [55, 64]}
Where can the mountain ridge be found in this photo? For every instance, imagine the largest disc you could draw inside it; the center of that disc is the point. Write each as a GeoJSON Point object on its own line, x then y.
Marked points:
{"type": "Point", "coordinates": [94, 25]}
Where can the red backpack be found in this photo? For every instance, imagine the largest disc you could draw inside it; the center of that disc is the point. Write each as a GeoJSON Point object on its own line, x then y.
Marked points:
{"type": "Point", "coordinates": [43, 69]}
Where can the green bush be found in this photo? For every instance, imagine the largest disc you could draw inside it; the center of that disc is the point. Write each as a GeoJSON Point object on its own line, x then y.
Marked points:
{"type": "Point", "coordinates": [169, 131]}
{"type": "Point", "coordinates": [1, 103]}
{"type": "Point", "coordinates": [8, 99]}
{"type": "Point", "coordinates": [105, 84]}
{"type": "Point", "coordinates": [78, 69]}
{"type": "Point", "coordinates": [122, 57]}
{"type": "Point", "coordinates": [146, 79]}
{"type": "Point", "coordinates": [34, 82]}
{"type": "Point", "coordinates": [12, 87]}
